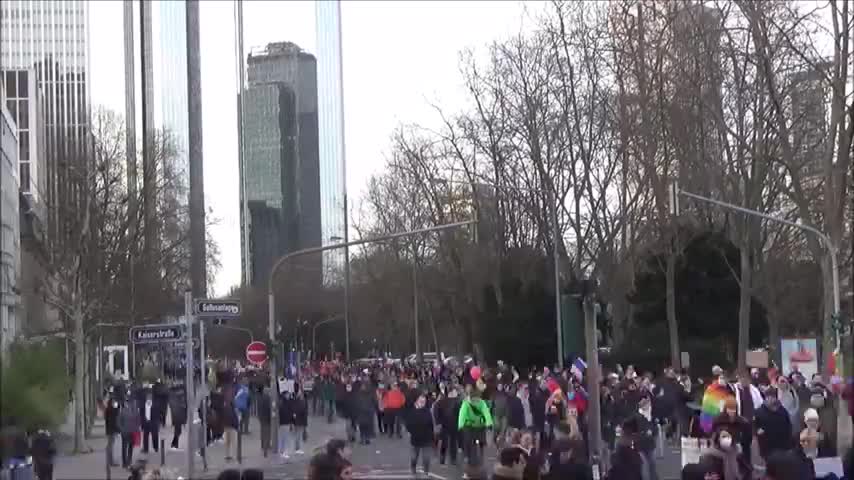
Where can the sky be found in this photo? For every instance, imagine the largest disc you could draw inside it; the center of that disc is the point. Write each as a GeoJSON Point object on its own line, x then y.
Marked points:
{"type": "Point", "coordinates": [398, 58]}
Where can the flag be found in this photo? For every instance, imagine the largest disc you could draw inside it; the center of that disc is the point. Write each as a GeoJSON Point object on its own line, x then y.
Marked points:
{"type": "Point", "coordinates": [578, 367]}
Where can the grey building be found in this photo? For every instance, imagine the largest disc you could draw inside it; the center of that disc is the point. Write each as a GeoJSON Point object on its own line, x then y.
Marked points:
{"type": "Point", "coordinates": [280, 169]}
{"type": "Point", "coordinates": [10, 235]}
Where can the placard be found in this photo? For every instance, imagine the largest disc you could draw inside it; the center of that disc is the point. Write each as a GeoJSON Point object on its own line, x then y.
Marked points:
{"type": "Point", "coordinates": [799, 354]}
{"type": "Point", "coordinates": [827, 465]}
{"type": "Point", "coordinates": [757, 359]}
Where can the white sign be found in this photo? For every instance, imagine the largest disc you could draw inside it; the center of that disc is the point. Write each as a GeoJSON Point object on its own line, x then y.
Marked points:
{"type": "Point", "coordinates": [286, 385]}
{"type": "Point", "coordinates": [827, 465]}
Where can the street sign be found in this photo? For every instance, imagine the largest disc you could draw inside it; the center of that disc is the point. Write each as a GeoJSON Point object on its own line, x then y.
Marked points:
{"type": "Point", "coordinates": [183, 343]}
{"type": "Point", "coordinates": [163, 333]}
{"type": "Point", "coordinates": [203, 307]}
{"type": "Point", "coordinates": [256, 353]}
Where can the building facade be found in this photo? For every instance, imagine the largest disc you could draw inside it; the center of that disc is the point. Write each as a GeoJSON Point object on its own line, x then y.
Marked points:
{"type": "Point", "coordinates": [280, 169]}
{"type": "Point", "coordinates": [10, 235]}
{"type": "Point", "coordinates": [333, 188]}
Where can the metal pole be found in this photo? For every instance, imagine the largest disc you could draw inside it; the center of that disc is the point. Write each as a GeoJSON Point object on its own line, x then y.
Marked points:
{"type": "Point", "coordinates": [100, 357]}
{"type": "Point", "coordinates": [556, 259]}
{"type": "Point", "coordinates": [204, 384]}
{"type": "Point", "coordinates": [188, 381]}
{"type": "Point", "coordinates": [415, 303]}
{"type": "Point", "coordinates": [274, 377]}
{"type": "Point", "coordinates": [824, 238]}
{"type": "Point", "coordinates": [594, 420]}
{"type": "Point", "coordinates": [346, 277]}
{"type": "Point", "coordinates": [247, 265]}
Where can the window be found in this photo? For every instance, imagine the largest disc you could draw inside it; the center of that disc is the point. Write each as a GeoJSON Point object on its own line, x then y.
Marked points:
{"type": "Point", "coordinates": [23, 113]}
{"type": "Point", "coordinates": [24, 143]}
{"type": "Point", "coordinates": [11, 84]}
{"type": "Point", "coordinates": [25, 176]}
{"type": "Point", "coordinates": [12, 105]}
{"type": "Point", "coordinates": [23, 84]}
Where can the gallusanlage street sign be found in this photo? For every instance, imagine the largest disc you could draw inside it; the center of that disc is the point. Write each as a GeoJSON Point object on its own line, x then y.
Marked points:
{"type": "Point", "coordinates": [163, 333]}
{"type": "Point", "coordinates": [203, 307]}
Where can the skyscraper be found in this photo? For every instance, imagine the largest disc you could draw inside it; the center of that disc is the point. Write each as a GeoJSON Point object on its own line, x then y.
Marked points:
{"type": "Point", "coordinates": [280, 168]}
{"type": "Point", "coordinates": [10, 236]}
{"type": "Point", "coordinates": [333, 190]}
{"type": "Point", "coordinates": [51, 39]}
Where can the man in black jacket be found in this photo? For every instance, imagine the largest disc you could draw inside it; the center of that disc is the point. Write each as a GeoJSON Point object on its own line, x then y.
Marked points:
{"type": "Point", "coordinates": [150, 416]}
{"type": "Point", "coordinates": [419, 424]}
{"type": "Point", "coordinates": [265, 405]}
{"type": "Point", "coordinates": [178, 407]}
{"type": "Point", "coordinates": [773, 426]}
{"type": "Point", "coordinates": [111, 425]}
{"type": "Point", "coordinates": [446, 413]}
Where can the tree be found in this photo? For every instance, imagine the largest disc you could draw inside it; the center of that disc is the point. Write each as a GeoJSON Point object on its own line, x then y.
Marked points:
{"type": "Point", "coordinates": [92, 275]}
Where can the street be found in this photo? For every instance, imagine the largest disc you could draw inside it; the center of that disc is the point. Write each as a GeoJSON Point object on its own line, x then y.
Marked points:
{"type": "Point", "coordinates": [384, 458]}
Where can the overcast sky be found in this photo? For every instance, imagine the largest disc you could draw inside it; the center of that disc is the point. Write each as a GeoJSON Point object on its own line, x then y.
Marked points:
{"type": "Point", "coordinates": [398, 56]}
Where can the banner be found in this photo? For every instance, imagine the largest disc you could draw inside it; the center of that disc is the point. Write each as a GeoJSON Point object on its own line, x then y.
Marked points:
{"type": "Point", "coordinates": [799, 354]}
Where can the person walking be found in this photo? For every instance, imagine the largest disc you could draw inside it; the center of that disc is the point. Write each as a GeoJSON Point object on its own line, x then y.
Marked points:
{"type": "Point", "coordinates": [724, 455]}
{"type": "Point", "coordinates": [150, 416]}
{"type": "Point", "coordinates": [178, 409]}
{"type": "Point", "coordinates": [265, 406]}
{"type": "Point", "coordinates": [474, 419]}
{"type": "Point", "coordinates": [286, 421]}
{"type": "Point", "coordinates": [129, 425]}
{"type": "Point", "coordinates": [419, 424]}
{"type": "Point", "coordinates": [393, 402]}
{"type": "Point", "coordinates": [446, 412]}
{"type": "Point", "coordinates": [241, 403]}
{"type": "Point", "coordinates": [364, 411]}
{"type": "Point", "coordinates": [299, 407]}
{"type": "Point", "coordinates": [111, 426]}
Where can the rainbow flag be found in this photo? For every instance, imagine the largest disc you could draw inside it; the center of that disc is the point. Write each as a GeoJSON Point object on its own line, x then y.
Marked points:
{"type": "Point", "coordinates": [714, 400]}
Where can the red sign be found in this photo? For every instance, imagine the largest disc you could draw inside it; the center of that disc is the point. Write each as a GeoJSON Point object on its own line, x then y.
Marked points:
{"type": "Point", "coordinates": [256, 353]}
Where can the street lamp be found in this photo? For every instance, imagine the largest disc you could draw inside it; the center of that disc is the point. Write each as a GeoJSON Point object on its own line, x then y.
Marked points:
{"type": "Point", "coordinates": [314, 333]}
{"type": "Point", "coordinates": [346, 293]}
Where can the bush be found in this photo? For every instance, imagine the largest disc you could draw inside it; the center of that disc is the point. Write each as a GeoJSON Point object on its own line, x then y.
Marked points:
{"type": "Point", "coordinates": [34, 385]}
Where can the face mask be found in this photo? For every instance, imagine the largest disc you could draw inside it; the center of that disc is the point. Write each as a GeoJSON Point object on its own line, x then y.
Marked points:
{"type": "Point", "coordinates": [452, 394]}
{"type": "Point", "coordinates": [721, 381]}
{"type": "Point", "coordinates": [726, 442]}
{"type": "Point", "coordinates": [731, 413]}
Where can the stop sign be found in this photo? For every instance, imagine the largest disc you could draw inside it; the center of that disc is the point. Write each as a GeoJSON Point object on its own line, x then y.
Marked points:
{"type": "Point", "coordinates": [256, 353]}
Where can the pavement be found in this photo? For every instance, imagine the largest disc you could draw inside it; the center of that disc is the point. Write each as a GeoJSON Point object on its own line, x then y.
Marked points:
{"type": "Point", "coordinates": [383, 459]}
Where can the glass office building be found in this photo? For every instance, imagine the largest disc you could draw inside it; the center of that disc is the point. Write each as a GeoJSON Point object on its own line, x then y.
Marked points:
{"type": "Point", "coordinates": [169, 35]}
{"type": "Point", "coordinates": [44, 54]}
{"type": "Point", "coordinates": [280, 166]}
{"type": "Point", "coordinates": [331, 139]}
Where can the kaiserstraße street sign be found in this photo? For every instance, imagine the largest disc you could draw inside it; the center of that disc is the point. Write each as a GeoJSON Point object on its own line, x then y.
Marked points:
{"type": "Point", "coordinates": [163, 333]}
{"type": "Point", "coordinates": [203, 307]}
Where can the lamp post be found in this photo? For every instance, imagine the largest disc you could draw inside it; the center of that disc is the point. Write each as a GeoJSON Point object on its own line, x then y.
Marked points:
{"type": "Point", "coordinates": [314, 332]}
{"type": "Point", "coordinates": [346, 290]}
{"type": "Point", "coordinates": [271, 296]}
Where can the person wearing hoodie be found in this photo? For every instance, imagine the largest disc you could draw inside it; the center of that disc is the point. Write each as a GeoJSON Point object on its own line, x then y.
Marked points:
{"type": "Point", "coordinates": [446, 411]}
{"type": "Point", "coordinates": [473, 421]}
{"type": "Point", "coordinates": [773, 426]}
{"type": "Point", "coordinates": [738, 426]}
{"type": "Point", "coordinates": [724, 453]}
{"type": "Point", "coordinates": [129, 425]}
{"type": "Point", "coordinates": [419, 424]}
{"type": "Point", "coordinates": [286, 422]}
{"type": "Point", "coordinates": [299, 408]}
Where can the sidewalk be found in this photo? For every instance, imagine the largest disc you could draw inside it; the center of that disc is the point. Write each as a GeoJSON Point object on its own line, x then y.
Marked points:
{"type": "Point", "coordinates": [92, 466]}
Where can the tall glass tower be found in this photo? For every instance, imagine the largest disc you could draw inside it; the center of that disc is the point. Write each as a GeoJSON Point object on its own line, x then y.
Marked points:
{"type": "Point", "coordinates": [333, 189]}
{"type": "Point", "coordinates": [48, 40]}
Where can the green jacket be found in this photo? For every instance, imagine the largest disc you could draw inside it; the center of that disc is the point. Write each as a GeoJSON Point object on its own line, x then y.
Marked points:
{"type": "Point", "coordinates": [474, 413]}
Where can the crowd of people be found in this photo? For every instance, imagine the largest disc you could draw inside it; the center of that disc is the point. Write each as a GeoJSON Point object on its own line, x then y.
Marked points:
{"type": "Point", "coordinates": [535, 420]}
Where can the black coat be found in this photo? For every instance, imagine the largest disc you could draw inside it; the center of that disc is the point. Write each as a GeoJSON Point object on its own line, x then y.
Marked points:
{"type": "Point", "coordinates": [300, 411]}
{"type": "Point", "coordinates": [420, 426]}
{"type": "Point", "coordinates": [178, 405]}
{"type": "Point", "coordinates": [776, 429]}
{"type": "Point", "coordinates": [572, 470]}
{"type": "Point", "coordinates": [538, 407]}
{"type": "Point", "coordinates": [515, 412]}
{"type": "Point", "coordinates": [265, 408]}
{"type": "Point", "coordinates": [448, 412]}
{"type": "Point", "coordinates": [111, 417]}
{"type": "Point", "coordinates": [286, 414]}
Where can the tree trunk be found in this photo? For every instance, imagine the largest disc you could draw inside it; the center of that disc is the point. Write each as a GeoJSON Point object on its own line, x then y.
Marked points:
{"type": "Point", "coordinates": [79, 370]}
{"type": "Point", "coordinates": [746, 277]}
{"type": "Point", "coordinates": [828, 334]}
{"type": "Point", "coordinates": [672, 326]}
